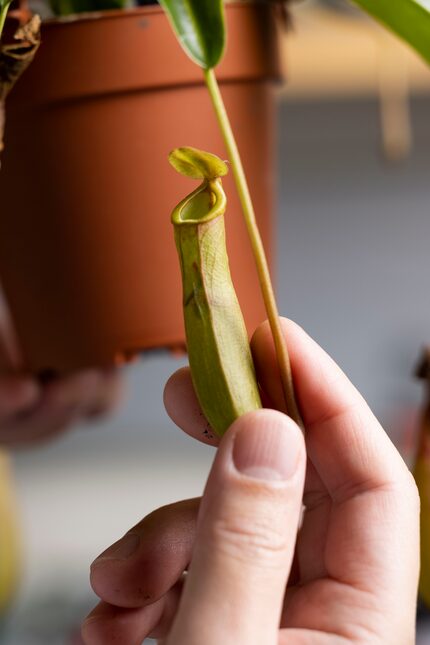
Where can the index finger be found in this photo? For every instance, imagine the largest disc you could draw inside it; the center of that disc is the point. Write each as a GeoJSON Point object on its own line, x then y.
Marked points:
{"type": "Point", "coordinates": [345, 442]}
{"type": "Point", "coordinates": [371, 536]}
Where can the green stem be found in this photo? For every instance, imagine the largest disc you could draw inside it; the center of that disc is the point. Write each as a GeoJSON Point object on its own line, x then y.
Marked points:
{"type": "Point", "coordinates": [3, 14]}
{"type": "Point", "coordinates": [257, 246]}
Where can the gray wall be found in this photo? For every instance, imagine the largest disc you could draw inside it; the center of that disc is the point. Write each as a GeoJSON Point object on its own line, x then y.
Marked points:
{"type": "Point", "coordinates": [354, 235]}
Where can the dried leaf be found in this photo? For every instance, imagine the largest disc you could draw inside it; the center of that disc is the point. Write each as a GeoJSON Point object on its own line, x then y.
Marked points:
{"type": "Point", "coordinates": [14, 60]}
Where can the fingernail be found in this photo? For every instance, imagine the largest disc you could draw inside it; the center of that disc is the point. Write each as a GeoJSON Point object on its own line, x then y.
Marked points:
{"type": "Point", "coordinates": [267, 446]}
{"type": "Point", "coordinates": [121, 550]}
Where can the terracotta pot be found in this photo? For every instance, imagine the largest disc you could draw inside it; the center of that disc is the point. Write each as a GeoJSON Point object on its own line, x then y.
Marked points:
{"type": "Point", "coordinates": [87, 257]}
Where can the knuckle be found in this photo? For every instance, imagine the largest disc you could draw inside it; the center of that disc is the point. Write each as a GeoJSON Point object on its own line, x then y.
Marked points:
{"type": "Point", "coordinates": [246, 538]}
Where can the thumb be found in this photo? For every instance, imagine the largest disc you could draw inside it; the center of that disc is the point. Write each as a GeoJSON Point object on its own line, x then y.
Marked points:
{"type": "Point", "coordinates": [246, 535]}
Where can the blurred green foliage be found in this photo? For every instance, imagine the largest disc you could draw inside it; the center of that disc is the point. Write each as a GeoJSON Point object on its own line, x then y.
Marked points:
{"type": "Point", "coordinates": [409, 19]}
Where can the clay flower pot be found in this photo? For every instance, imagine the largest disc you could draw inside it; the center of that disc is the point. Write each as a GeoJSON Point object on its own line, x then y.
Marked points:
{"type": "Point", "coordinates": [87, 256]}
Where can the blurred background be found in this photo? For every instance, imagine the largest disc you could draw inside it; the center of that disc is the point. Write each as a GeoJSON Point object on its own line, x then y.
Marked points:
{"type": "Point", "coordinates": [353, 266]}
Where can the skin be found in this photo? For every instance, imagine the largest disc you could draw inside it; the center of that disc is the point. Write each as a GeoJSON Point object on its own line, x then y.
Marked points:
{"type": "Point", "coordinates": [348, 575]}
{"type": "Point", "coordinates": [32, 412]}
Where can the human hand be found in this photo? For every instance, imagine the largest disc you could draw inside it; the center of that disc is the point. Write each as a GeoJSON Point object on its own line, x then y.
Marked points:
{"type": "Point", "coordinates": [352, 573]}
{"type": "Point", "coordinates": [32, 411]}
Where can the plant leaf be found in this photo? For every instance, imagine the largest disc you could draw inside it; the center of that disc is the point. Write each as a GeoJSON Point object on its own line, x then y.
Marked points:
{"type": "Point", "coordinates": [197, 164]}
{"type": "Point", "coordinates": [409, 19]}
{"type": "Point", "coordinates": [199, 26]}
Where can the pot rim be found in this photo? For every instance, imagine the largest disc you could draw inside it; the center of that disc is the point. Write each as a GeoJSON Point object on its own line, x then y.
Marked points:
{"type": "Point", "coordinates": [99, 37]}
{"type": "Point", "coordinates": [129, 12]}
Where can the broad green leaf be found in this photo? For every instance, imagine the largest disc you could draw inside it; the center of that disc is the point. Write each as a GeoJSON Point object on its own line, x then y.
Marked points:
{"type": "Point", "coordinates": [199, 26]}
{"type": "Point", "coordinates": [197, 164]}
{"type": "Point", "coordinates": [409, 19]}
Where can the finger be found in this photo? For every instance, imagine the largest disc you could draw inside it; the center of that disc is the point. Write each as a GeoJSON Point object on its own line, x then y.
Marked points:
{"type": "Point", "coordinates": [183, 407]}
{"type": "Point", "coordinates": [372, 538]}
{"type": "Point", "coordinates": [344, 440]}
{"type": "Point", "coordinates": [109, 625]}
{"type": "Point", "coordinates": [58, 406]}
{"type": "Point", "coordinates": [310, 637]}
{"type": "Point", "coordinates": [40, 424]}
{"type": "Point", "coordinates": [312, 539]}
{"type": "Point", "coordinates": [107, 395]}
{"type": "Point", "coordinates": [17, 394]}
{"type": "Point", "coordinates": [143, 565]}
{"type": "Point", "coordinates": [82, 390]}
{"type": "Point", "coordinates": [246, 534]}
